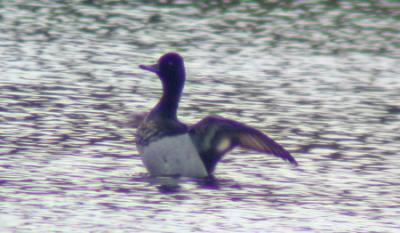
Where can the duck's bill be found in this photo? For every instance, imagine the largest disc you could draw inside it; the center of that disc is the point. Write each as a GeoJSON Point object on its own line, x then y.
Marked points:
{"type": "Point", "coordinates": [152, 68]}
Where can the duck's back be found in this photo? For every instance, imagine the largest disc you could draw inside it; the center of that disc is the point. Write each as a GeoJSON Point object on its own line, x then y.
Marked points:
{"type": "Point", "coordinates": [173, 155]}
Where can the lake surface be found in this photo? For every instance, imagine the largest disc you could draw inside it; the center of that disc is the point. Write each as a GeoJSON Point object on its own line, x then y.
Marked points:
{"type": "Point", "coordinates": [323, 79]}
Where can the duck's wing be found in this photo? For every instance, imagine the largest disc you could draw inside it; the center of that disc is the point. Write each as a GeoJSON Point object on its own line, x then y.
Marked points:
{"type": "Point", "coordinates": [214, 136]}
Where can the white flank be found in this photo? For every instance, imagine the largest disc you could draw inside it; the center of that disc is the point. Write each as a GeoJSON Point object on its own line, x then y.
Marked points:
{"type": "Point", "coordinates": [174, 155]}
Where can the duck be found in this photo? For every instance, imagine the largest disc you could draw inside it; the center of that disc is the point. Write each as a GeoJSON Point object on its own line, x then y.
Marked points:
{"type": "Point", "coordinates": [169, 147]}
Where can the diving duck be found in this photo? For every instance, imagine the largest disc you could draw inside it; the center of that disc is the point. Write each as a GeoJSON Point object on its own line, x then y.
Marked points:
{"type": "Point", "coordinates": [171, 148]}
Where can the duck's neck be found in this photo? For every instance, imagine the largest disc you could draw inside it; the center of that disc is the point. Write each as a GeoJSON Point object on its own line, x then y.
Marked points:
{"type": "Point", "coordinates": [168, 105]}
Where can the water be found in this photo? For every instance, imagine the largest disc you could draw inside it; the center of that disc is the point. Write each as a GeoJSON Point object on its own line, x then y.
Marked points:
{"type": "Point", "coordinates": [320, 78]}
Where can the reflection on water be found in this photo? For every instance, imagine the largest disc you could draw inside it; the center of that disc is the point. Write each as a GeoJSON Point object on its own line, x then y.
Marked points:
{"type": "Point", "coordinates": [322, 78]}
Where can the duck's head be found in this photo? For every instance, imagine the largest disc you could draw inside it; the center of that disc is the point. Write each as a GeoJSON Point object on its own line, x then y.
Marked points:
{"type": "Point", "coordinates": [170, 69]}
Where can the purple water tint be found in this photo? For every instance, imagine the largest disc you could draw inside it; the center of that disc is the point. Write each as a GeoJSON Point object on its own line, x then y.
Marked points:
{"type": "Point", "coordinates": [321, 79]}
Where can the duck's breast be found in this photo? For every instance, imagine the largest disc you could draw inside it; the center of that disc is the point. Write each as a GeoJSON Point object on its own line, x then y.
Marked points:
{"type": "Point", "coordinates": [174, 155]}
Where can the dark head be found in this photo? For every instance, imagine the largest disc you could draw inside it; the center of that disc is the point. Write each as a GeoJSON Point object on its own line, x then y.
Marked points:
{"type": "Point", "coordinates": [171, 70]}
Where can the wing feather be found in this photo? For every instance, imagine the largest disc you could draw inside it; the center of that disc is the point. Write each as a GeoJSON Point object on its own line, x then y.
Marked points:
{"type": "Point", "coordinates": [212, 134]}
{"type": "Point", "coordinates": [262, 143]}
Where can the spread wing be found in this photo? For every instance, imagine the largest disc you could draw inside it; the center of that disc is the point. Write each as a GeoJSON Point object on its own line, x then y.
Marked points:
{"type": "Point", "coordinates": [214, 136]}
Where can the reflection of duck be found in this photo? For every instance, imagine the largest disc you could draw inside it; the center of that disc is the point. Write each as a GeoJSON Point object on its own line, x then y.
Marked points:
{"type": "Point", "coordinates": [169, 147]}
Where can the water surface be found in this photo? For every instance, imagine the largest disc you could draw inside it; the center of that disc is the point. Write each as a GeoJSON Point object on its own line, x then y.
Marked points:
{"type": "Point", "coordinates": [320, 78]}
